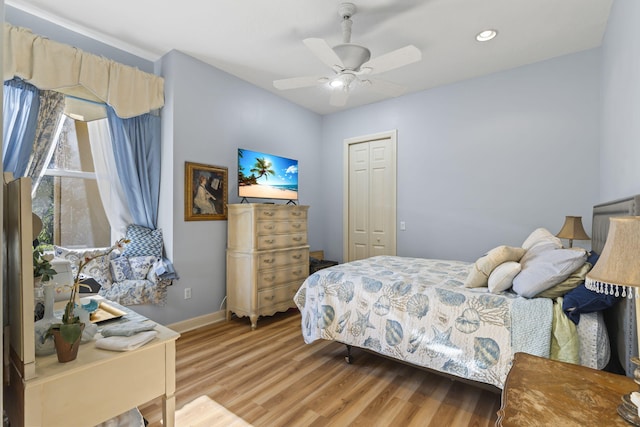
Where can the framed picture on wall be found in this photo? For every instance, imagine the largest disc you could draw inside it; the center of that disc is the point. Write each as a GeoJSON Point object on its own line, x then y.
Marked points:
{"type": "Point", "coordinates": [205, 192]}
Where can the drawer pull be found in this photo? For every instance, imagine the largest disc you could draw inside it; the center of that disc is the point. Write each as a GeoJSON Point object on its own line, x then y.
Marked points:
{"type": "Point", "coordinates": [296, 225]}
{"type": "Point", "coordinates": [297, 256]}
{"type": "Point", "coordinates": [270, 298]}
{"type": "Point", "coordinates": [269, 241]}
{"type": "Point", "coordinates": [267, 213]}
{"type": "Point", "coordinates": [297, 272]}
{"type": "Point", "coordinates": [269, 279]}
{"type": "Point", "coordinates": [268, 227]}
{"type": "Point", "coordinates": [269, 261]}
{"type": "Point", "coordinates": [296, 213]}
{"type": "Point", "coordinates": [297, 239]}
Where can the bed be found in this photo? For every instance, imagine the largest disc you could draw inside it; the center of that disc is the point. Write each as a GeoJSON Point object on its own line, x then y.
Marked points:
{"type": "Point", "coordinates": [420, 312]}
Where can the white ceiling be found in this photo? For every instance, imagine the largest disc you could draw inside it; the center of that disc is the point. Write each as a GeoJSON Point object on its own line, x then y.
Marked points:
{"type": "Point", "coordinates": [261, 40]}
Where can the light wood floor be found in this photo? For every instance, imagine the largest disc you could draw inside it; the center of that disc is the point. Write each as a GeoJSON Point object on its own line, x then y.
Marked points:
{"type": "Point", "coordinates": [269, 377]}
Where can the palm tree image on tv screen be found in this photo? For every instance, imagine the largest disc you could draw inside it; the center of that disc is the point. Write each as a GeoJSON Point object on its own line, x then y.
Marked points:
{"type": "Point", "coordinates": [266, 176]}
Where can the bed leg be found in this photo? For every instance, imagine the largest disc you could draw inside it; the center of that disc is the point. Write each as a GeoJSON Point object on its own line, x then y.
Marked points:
{"type": "Point", "coordinates": [349, 357]}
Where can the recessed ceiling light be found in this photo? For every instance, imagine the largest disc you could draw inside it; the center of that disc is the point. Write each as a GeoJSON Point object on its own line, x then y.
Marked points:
{"type": "Point", "coordinates": [486, 35]}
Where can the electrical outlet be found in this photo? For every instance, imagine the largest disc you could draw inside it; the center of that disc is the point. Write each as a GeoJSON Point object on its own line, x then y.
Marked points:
{"type": "Point", "coordinates": [187, 293]}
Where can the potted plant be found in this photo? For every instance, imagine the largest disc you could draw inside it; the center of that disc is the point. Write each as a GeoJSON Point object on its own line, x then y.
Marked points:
{"type": "Point", "coordinates": [67, 333]}
{"type": "Point", "coordinates": [42, 269]}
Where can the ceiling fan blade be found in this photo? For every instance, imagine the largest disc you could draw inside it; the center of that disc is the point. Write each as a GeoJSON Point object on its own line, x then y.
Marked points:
{"type": "Point", "coordinates": [298, 82]}
{"type": "Point", "coordinates": [394, 59]}
{"type": "Point", "coordinates": [386, 88]}
{"type": "Point", "coordinates": [339, 97]}
{"type": "Point", "coordinates": [323, 51]}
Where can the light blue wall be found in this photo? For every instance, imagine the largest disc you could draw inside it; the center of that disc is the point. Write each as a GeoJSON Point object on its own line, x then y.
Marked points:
{"type": "Point", "coordinates": [208, 115]}
{"type": "Point", "coordinates": [482, 162]}
{"type": "Point", "coordinates": [620, 139]}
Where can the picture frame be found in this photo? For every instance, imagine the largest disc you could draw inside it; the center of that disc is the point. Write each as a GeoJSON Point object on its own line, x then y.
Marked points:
{"type": "Point", "coordinates": [205, 192]}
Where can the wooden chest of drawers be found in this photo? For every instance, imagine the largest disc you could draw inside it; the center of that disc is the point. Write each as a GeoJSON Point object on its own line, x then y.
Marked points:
{"type": "Point", "coordinates": [267, 258]}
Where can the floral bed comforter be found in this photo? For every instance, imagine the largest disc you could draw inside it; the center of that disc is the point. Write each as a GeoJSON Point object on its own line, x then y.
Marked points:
{"type": "Point", "coordinates": [418, 311]}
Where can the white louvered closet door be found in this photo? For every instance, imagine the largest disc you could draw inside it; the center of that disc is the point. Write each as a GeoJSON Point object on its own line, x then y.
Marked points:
{"type": "Point", "coordinates": [370, 196]}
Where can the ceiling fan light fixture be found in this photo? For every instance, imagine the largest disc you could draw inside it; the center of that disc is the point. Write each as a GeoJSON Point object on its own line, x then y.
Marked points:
{"type": "Point", "coordinates": [342, 80]}
{"type": "Point", "coordinates": [486, 35]}
{"type": "Point", "coordinates": [336, 83]}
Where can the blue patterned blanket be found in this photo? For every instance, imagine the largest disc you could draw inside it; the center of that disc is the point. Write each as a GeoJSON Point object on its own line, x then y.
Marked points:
{"type": "Point", "coordinates": [418, 311]}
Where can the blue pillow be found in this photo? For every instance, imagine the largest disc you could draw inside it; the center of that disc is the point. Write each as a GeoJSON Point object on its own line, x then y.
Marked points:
{"type": "Point", "coordinates": [592, 258]}
{"type": "Point", "coordinates": [582, 300]}
{"type": "Point", "coordinates": [143, 242]}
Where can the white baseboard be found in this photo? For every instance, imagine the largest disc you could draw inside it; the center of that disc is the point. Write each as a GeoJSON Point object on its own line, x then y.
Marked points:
{"type": "Point", "coordinates": [198, 322]}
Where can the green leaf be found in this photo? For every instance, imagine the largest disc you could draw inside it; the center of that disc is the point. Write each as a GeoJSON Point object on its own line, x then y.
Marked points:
{"type": "Point", "coordinates": [71, 332]}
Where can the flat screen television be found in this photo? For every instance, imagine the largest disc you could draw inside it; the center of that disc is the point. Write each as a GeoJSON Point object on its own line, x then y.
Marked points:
{"type": "Point", "coordinates": [266, 176]}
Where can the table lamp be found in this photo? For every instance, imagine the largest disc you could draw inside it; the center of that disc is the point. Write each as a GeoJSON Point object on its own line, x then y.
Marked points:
{"type": "Point", "coordinates": [617, 272]}
{"type": "Point", "coordinates": [572, 229]}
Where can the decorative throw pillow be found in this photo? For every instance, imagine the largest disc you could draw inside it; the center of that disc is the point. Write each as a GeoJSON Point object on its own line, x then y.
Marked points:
{"type": "Point", "coordinates": [98, 268]}
{"type": "Point", "coordinates": [571, 282]}
{"type": "Point", "coordinates": [582, 300]}
{"type": "Point", "coordinates": [143, 241]}
{"type": "Point", "coordinates": [541, 235]}
{"type": "Point", "coordinates": [479, 274]}
{"type": "Point", "coordinates": [121, 269]}
{"type": "Point", "coordinates": [140, 266]}
{"type": "Point", "coordinates": [502, 276]}
{"type": "Point", "coordinates": [542, 269]}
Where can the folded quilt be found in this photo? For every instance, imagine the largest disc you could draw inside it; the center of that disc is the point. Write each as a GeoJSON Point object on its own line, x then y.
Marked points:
{"type": "Point", "coordinates": [531, 321]}
{"type": "Point", "coordinates": [120, 343]}
{"type": "Point", "coordinates": [127, 329]}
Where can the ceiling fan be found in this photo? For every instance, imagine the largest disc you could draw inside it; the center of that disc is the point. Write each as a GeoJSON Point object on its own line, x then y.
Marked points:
{"type": "Point", "coordinates": [352, 64]}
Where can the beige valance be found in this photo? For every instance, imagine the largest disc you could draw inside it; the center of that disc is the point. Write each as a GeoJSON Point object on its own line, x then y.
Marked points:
{"type": "Point", "coordinates": [47, 64]}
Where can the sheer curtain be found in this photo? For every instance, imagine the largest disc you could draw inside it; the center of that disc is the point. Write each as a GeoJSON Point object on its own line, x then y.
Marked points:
{"type": "Point", "coordinates": [114, 199]}
{"type": "Point", "coordinates": [21, 104]}
{"type": "Point", "coordinates": [136, 149]}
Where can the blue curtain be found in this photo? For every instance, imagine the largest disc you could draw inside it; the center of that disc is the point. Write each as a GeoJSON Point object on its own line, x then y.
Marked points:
{"type": "Point", "coordinates": [136, 148]}
{"type": "Point", "coordinates": [20, 118]}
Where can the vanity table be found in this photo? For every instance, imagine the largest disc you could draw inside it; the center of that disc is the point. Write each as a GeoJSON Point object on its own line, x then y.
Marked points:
{"type": "Point", "coordinates": [98, 385]}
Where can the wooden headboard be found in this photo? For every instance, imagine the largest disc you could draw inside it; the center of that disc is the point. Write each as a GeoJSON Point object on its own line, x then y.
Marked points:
{"type": "Point", "coordinates": [620, 319]}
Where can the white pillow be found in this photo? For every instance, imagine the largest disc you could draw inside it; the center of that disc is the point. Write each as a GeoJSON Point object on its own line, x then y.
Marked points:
{"type": "Point", "coordinates": [545, 267]}
{"type": "Point", "coordinates": [482, 268]}
{"type": "Point", "coordinates": [502, 276]}
{"type": "Point", "coordinates": [537, 249]}
{"type": "Point", "coordinates": [541, 236]}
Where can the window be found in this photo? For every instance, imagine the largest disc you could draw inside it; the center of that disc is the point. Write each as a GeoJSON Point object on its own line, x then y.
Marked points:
{"type": "Point", "coordinates": [66, 197]}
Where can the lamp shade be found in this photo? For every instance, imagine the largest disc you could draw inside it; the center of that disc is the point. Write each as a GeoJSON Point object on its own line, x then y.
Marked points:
{"type": "Point", "coordinates": [573, 229]}
{"type": "Point", "coordinates": [619, 263]}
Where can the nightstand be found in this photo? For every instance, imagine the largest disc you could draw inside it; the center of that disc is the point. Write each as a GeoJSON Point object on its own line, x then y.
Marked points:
{"type": "Point", "coordinates": [544, 392]}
